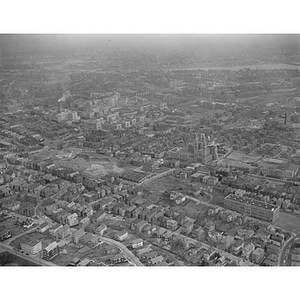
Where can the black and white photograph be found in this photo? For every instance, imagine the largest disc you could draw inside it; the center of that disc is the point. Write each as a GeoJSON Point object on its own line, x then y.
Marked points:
{"type": "Point", "coordinates": [163, 150]}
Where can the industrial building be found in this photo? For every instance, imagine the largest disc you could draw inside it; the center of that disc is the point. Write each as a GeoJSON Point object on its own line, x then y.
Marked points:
{"type": "Point", "coordinates": [253, 208]}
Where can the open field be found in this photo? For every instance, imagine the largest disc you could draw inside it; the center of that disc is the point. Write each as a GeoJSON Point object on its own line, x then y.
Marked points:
{"type": "Point", "coordinates": [15, 229]}
{"type": "Point", "coordinates": [288, 222]}
{"type": "Point", "coordinates": [93, 165]}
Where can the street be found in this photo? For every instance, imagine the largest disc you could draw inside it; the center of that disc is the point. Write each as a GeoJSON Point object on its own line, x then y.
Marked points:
{"type": "Point", "coordinates": [285, 250]}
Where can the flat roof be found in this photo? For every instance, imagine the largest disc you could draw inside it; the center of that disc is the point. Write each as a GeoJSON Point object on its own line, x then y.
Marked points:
{"type": "Point", "coordinates": [254, 202]}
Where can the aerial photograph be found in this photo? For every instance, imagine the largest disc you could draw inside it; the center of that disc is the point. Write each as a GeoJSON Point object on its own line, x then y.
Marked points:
{"type": "Point", "coordinates": [150, 150]}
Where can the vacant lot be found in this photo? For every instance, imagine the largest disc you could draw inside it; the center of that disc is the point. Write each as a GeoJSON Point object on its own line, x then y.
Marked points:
{"type": "Point", "coordinates": [288, 222]}
{"type": "Point", "coordinates": [191, 209]}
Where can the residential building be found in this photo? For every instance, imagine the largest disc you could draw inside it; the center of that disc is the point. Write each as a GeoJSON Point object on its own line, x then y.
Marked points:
{"type": "Point", "coordinates": [51, 251]}
{"type": "Point", "coordinates": [43, 227]}
{"type": "Point", "coordinates": [78, 235]}
{"type": "Point", "coordinates": [72, 220]}
{"type": "Point", "coordinates": [101, 229]}
{"type": "Point", "coordinates": [62, 232]}
{"type": "Point", "coordinates": [137, 243]}
{"type": "Point", "coordinates": [122, 235]}
{"type": "Point", "coordinates": [85, 222]}
{"type": "Point", "coordinates": [31, 247]}
{"type": "Point", "coordinates": [172, 224]}
{"type": "Point", "coordinates": [258, 255]}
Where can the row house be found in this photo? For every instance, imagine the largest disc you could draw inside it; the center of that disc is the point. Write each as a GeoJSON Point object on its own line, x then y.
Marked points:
{"type": "Point", "coordinates": [136, 213]}
{"type": "Point", "coordinates": [143, 214]}
{"type": "Point", "coordinates": [118, 197]}
{"type": "Point", "coordinates": [129, 211]}
{"type": "Point", "coordinates": [140, 225]}
{"type": "Point", "coordinates": [106, 202]}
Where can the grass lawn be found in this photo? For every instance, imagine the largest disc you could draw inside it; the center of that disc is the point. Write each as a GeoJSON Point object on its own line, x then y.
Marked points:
{"type": "Point", "coordinates": [288, 222]}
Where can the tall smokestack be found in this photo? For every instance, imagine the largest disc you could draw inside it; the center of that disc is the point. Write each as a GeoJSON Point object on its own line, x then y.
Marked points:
{"type": "Point", "coordinates": [285, 118]}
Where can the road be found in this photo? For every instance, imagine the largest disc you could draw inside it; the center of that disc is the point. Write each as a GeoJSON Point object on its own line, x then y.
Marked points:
{"type": "Point", "coordinates": [127, 252]}
{"type": "Point", "coordinates": [163, 174]}
{"type": "Point", "coordinates": [42, 218]}
{"type": "Point", "coordinates": [33, 259]}
{"type": "Point", "coordinates": [285, 249]}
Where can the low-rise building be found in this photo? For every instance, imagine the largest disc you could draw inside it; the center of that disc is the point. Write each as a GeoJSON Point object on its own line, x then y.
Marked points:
{"type": "Point", "coordinates": [122, 235]}
{"type": "Point", "coordinates": [137, 243]}
{"type": "Point", "coordinates": [51, 251]}
{"type": "Point", "coordinates": [257, 255]}
{"type": "Point", "coordinates": [72, 220]}
{"type": "Point", "coordinates": [77, 235]}
{"type": "Point", "coordinates": [101, 229]}
{"type": "Point", "coordinates": [31, 247]}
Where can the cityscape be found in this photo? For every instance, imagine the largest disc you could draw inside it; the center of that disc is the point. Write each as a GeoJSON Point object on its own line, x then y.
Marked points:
{"type": "Point", "coordinates": [149, 150]}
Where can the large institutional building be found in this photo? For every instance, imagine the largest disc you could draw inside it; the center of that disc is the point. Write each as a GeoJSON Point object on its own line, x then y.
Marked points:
{"type": "Point", "coordinates": [253, 208]}
{"type": "Point", "coordinates": [197, 151]}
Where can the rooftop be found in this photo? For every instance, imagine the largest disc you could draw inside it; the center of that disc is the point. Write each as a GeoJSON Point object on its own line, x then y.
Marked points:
{"type": "Point", "coordinates": [252, 201]}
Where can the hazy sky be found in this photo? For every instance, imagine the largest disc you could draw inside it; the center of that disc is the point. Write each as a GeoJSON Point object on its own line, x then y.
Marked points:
{"type": "Point", "coordinates": [68, 42]}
